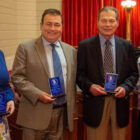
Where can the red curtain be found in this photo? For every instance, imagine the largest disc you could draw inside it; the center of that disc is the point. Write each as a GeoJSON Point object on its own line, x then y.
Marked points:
{"type": "Point", "coordinates": [135, 24]}
{"type": "Point", "coordinates": [80, 19]}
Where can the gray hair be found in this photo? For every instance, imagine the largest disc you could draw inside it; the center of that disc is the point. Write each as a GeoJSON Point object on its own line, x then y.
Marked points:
{"type": "Point", "coordinates": [109, 8]}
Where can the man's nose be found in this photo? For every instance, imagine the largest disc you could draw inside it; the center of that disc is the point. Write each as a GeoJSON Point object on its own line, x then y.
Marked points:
{"type": "Point", "coordinates": [52, 27]}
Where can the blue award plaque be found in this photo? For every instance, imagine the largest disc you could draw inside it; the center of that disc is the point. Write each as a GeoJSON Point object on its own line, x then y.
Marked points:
{"type": "Point", "coordinates": [110, 82]}
{"type": "Point", "coordinates": [55, 87]}
{"type": "Point", "coordinates": [3, 104]}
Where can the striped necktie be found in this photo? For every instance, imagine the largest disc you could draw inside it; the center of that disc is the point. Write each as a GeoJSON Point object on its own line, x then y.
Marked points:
{"type": "Point", "coordinates": [108, 60]}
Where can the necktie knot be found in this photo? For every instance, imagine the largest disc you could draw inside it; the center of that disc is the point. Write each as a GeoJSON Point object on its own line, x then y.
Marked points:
{"type": "Point", "coordinates": [52, 45]}
{"type": "Point", "coordinates": [107, 43]}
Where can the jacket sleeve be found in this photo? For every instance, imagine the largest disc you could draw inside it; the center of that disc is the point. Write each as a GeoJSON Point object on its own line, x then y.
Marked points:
{"type": "Point", "coordinates": [132, 71]}
{"type": "Point", "coordinates": [19, 76]}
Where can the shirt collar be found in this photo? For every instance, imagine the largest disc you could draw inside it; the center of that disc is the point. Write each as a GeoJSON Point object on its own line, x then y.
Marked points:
{"type": "Point", "coordinates": [102, 40]}
{"type": "Point", "coordinates": [47, 43]}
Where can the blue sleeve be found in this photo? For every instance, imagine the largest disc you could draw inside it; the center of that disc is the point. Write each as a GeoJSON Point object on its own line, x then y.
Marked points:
{"type": "Point", "coordinates": [4, 78]}
{"type": "Point", "coordinates": [9, 94]}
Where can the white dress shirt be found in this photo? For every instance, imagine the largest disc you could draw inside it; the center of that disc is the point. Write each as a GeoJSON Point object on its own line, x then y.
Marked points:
{"type": "Point", "coordinates": [48, 51]}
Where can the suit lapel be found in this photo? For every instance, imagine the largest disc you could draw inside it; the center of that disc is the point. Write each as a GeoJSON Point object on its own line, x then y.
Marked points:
{"type": "Point", "coordinates": [118, 55]}
{"type": "Point", "coordinates": [66, 53]}
{"type": "Point", "coordinates": [42, 55]}
{"type": "Point", "coordinates": [67, 57]}
{"type": "Point", "coordinates": [98, 54]}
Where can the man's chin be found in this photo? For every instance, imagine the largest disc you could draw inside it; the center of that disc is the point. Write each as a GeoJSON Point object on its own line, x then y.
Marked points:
{"type": "Point", "coordinates": [107, 36]}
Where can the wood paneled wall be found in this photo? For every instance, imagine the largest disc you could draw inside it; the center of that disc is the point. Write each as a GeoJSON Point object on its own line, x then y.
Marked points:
{"type": "Point", "coordinates": [20, 21]}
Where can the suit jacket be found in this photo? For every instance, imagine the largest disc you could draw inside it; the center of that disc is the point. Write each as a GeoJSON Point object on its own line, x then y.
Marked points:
{"type": "Point", "coordinates": [30, 77]}
{"type": "Point", "coordinates": [90, 71]}
{"type": "Point", "coordinates": [137, 52]}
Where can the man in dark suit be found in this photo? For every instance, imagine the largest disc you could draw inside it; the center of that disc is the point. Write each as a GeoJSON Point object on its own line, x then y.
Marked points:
{"type": "Point", "coordinates": [106, 111]}
{"type": "Point", "coordinates": [136, 130]}
{"type": "Point", "coordinates": [41, 114]}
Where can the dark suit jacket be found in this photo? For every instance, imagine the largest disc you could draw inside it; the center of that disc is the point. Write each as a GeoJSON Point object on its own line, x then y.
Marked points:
{"type": "Point", "coordinates": [137, 52]}
{"type": "Point", "coordinates": [90, 71]}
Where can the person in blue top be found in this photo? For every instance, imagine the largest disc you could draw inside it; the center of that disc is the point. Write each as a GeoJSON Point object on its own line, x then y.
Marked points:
{"type": "Point", "coordinates": [5, 90]}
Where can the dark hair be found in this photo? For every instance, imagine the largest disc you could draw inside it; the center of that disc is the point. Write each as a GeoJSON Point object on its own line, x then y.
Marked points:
{"type": "Point", "coordinates": [109, 8]}
{"type": "Point", "coordinates": [51, 12]}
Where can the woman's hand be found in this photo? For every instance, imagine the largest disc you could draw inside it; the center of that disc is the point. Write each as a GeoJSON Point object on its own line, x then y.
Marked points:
{"type": "Point", "coordinates": [10, 107]}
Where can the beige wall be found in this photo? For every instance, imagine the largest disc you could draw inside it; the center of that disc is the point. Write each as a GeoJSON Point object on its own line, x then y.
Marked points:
{"type": "Point", "coordinates": [8, 25]}
{"type": "Point", "coordinates": [19, 21]}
